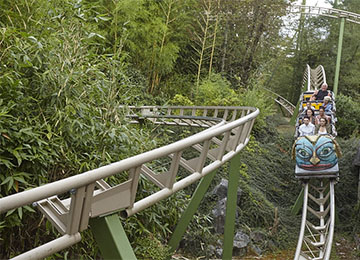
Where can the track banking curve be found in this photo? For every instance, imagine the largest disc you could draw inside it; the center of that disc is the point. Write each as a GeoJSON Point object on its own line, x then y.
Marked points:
{"type": "Point", "coordinates": [88, 195]}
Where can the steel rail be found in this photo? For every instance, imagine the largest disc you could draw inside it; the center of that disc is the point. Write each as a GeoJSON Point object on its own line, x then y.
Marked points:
{"type": "Point", "coordinates": [313, 78]}
{"type": "Point", "coordinates": [303, 222]}
{"type": "Point", "coordinates": [58, 187]}
{"type": "Point", "coordinates": [282, 102]}
{"type": "Point", "coordinates": [324, 11]}
{"type": "Point", "coordinates": [332, 221]}
{"type": "Point", "coordinates": [315, 240]}
{"type": "Point", "coordinates": [226, 132]}
{"type": "Point", "coordinates": [50, 248]}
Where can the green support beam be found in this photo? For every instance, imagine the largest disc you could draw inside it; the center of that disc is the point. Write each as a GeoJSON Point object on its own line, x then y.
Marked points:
{"type": "Point", "coordinates": [338, 58]}
{"type": "Point", "coordinates": [298, 204]}
{"type": "Point", "coordinates": [298, 50]}
{"type": "Point", "coordinates": [111, 238]}
{"type": "Point", "coordinates": [296, 110]}
{"type": "Point", "coordinates": [234, 176]}
{"type": "Point", "coordinates": [190, 211]}
{"type": "Point", "coordinates": [294, 116]}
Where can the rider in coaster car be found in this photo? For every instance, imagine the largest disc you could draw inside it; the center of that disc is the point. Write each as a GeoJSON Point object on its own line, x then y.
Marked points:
{"type": "Point", "coordinates": [320, 94]}
{"type": "Point", "coordinates": [327, 104]}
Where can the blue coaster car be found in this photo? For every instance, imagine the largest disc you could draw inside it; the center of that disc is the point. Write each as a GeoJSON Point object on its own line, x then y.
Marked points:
{"type": "Point", "coordinates": [316, 156]}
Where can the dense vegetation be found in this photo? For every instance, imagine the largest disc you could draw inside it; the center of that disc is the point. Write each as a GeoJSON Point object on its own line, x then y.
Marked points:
{"type": "Point", "coordinates": [67, 66]}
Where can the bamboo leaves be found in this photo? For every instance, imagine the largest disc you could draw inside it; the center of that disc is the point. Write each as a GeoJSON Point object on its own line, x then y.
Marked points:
{"type": "Point", "coordinates": [202, 39]}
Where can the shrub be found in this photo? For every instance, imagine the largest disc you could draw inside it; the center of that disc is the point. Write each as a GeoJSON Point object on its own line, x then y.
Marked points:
{"type": "Point", "coordinates": [348, 115]}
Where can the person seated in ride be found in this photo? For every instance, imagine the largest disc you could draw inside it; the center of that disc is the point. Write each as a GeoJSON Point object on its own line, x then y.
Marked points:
{"type": "Point", "coordinates": [320, 94]}
{"type": "Point", "coordinates": [308, 106]}
{"type": "Point", "coordinates": [311, 115]}
{"type": "Point", "coordinates": [323, 127]}
{"type": "Point", "coordinates": [322, 115]}
{"type": "Point", "coordinates": [307, 128]}
{"type": "Point", "coordinates": [327, 104]}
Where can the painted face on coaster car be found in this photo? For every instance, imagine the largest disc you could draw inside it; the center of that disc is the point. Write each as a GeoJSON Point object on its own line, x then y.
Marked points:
{"type": "Point", "coordinates": [316, 153]}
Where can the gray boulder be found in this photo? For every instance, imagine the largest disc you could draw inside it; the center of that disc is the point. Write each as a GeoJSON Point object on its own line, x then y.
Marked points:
{"type": "Point", "coordinates": [221, 190]}
{"type": "Point", "coordinates": [241, 243]}
{"type": "Point", "coordinates": [219, 216]}
{"type": "Point", "coordinates": [258, 236]}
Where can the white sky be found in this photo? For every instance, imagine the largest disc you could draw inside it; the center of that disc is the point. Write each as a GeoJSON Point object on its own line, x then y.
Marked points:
{"type": "Point", "coordinates": [288, 28]}
{"type": "Point", "coordinates": [320, 3]}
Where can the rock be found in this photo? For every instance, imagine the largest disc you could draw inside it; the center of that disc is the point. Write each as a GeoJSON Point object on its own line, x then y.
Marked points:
{"type": "Point", "coordinates": [218, 252]}
{"type": "Point", "coordinates": [219, 216]}
{"type": "Point", "coordinates": [241, 242]}
{"type": "Point", "coordinates": [221, 190]}
{"type": "Point", "coordinates": [212, 250]}
{"type": "Point", "coordinates": [241, 239]}
{"type": "Point", "coordinates": [258, 236]}
{"type": "Point", "coordinates": [357, 241]}
{"type": "Point", "coordinates": [256, 250]}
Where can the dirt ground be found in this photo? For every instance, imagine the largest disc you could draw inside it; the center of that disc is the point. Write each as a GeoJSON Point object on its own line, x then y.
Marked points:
{"type": "Point", "coordinates": [343, 248]}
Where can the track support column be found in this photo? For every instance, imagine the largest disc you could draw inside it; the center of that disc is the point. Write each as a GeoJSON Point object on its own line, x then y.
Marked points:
{"type": "Point", "coordinates": [111, 238]}
{"type": "Point", "coordinates": [231, 207]}
{"type": "Point", "coordinates": [338, 58]}
{"type": "Point", "coordinates": [190, 210]}
{"type": "Point", "coordinates": [298, 204]}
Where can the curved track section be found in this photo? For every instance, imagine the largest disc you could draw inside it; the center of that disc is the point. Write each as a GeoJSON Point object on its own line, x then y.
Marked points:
{"type": "Point", "coordinates": [318, 218]}
{"type": "Point", "coordinates": [323, 11]}
{"type": "Point", "coordinates": [69, 203]}
{"type": "Point", "coordinates": [283, 102]}
{"type": "Point", "coordinates": [313, 78]}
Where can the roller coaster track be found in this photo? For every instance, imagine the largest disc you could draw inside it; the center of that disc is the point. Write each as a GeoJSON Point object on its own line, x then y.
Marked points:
{"type": "Point", "coordinates": [328, 12]}
{"type": "Point", "coordinates": [318, 214]}
{"type": "Point", "coordinates": [88, 195]}
{"type": "Point", "coordinates": [318, 220]}
{"type": "Point", "coordinates": [283, 102]}
{"type": "Point", "coordinates": [313, 78]}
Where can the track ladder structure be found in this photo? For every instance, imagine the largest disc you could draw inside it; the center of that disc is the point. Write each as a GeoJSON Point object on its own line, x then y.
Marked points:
{"type": "Point", "coordinates": [318, 218]}
{"type": "Point", "coordinates": [283, 102]}
{"type": "Point", "coordinates": [71, 204]}
{"type": "Point", "coordinates": [318, 212]}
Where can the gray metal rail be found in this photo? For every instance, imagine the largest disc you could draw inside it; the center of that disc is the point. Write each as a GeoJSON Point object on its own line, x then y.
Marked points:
{"type": "Point", "coordinates": [227, 131]}
{"type": "Point", "coordinates": [318, 220]}
{"type": "Point", "coordinates": [287, 105]}
{"type": "Point", "coordinates": [323, 11]}
{"type": "Point", "coordinates": [313, 78]}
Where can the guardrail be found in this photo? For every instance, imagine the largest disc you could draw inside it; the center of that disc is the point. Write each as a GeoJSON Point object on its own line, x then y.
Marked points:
{"type": "Point", "coordinates": [89, 195]}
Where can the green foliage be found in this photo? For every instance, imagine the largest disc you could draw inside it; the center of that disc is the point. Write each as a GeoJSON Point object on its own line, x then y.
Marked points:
{"type": "Point", "coordinates": [347, 204]}
{"type": "Point", "coordinates": [215, 91]}
{"type": "Point", "coordinates": [348, 115]}
{"type": "Point", "coordinates": [150, 248]}
{"type": "Point", "coordinates": [59, 107]}
{"type": "Point", "coordinates": [67, 66]}
{"type": "Point", "coordinates": [181, 100]}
